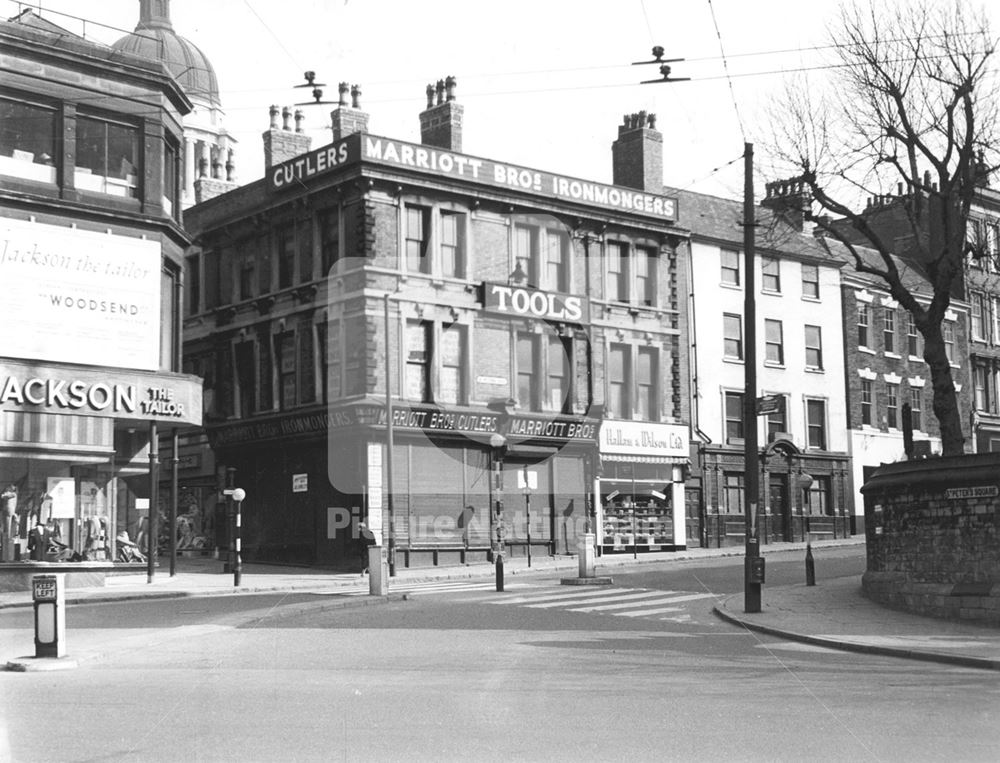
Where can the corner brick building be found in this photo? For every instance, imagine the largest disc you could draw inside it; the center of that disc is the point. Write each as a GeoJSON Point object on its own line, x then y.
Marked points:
{"type": "Point", "coordinates": [526, 326]}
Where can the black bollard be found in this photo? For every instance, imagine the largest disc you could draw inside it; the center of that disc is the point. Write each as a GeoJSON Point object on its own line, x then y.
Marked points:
{"type": "Point", "coordinates": [810, 566]}
{"type": "Point", "coordinates": [499, 571]}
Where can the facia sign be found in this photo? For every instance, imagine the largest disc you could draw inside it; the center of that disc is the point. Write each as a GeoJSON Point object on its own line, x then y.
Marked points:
{"type": "Point", "coordinates": [410, 156]}
{"type": "Point", "coordinates": [526, 302]}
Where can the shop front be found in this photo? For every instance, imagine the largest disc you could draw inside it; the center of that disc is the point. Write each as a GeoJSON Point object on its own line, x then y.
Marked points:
{"type": "Point", "coordinates": [439, 510]}
{"type": "Point", "coordinates": [75, 457]}
{"type": "Point", "coordinates": [642, 506]}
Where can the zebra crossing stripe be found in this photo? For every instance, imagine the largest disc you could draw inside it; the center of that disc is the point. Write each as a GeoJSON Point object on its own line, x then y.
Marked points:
{"type": "Point", "coordinates": [608, 594]}
{"type": "Point", "coordinates": [674, 600]}
{"type": "Point", "coordinates": [600, 599]}
{"type": "Point", "coordinates": [625, 605]}
{"type": "Point", "coordinates": [649, 612]}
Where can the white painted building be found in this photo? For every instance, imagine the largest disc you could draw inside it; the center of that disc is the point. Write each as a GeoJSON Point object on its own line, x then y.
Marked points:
{"type": "Point", "coordinates": [800, 357]}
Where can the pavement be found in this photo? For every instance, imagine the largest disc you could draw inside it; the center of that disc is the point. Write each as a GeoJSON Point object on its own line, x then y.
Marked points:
{"type": "Point", "coordinates": [833, 613]}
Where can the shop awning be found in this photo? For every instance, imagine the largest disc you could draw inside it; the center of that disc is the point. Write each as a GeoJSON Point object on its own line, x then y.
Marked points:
{"type": "Point", "coordinates": [622, 458]}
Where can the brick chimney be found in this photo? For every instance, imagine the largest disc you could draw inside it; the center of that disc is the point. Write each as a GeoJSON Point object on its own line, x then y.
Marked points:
{"type": "Point", "coordinates": [441, 122]}
{"type": "Point", "coordinates": [281, 143]}
{"type": "Point", "coordinates": [348, 118]}
{"type": "Point", "coordinates": [637, 154]}
{"type": "Point", "coordinates": [791, 199]}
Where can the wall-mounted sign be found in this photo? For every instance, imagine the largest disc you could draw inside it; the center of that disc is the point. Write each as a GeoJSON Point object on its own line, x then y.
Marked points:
{"type": "Point", "coordinates": [637, 438]}
{"type": "Point", "coordinates": [532, 427]}
{"type": "Point", "coordinates": [979, 491]}
{"type": "Point", "coordinates": [76, 296]}
{"type": "Point", "coordinates": [527, 302]}
{"type": "Point", "coordinates": [172, 398]}
{"type": "Point", "coordinates": [61, 492]}
{"type": "Point", "coordinates": [435, 161]}
{"type": "Point", "coordinates": [300, 483]}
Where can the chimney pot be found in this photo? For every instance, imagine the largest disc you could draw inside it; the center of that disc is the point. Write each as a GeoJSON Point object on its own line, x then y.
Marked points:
{"type": "Point", "coordinates": [356, 96]}
{"type": "Point", "coordinates": [299, 116]}
{"type": "Point", "coordinates": [637, 154]}
{"type": "Point", "coordinates": [441, 121]}
{"type": "Point", "coordinates": [286, 116]}
{"type": "Point", "coordinates": [274, 117]}
{"type": "Point", "coordinates": [344, 89]}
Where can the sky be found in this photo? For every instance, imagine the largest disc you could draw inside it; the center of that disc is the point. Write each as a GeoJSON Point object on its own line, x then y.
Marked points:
{"type": "Point", "coordinates": [544, 84]}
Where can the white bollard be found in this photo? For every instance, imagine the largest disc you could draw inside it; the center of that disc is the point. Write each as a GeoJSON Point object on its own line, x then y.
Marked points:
{"type": "Point", "coordinates": [378, 571]}
{"type": "Point", "coordinates": [587, 555]}
{"type": "Point", "coordinates": [48, 593]}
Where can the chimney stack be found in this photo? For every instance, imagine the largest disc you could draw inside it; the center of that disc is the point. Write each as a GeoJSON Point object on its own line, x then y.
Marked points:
{"type": "Point", "coordinates": [637, 154]}
{"type": "Point", "coordinates": [441, 122]}
{"type": "Point", "coordinates": [348, 118]}
{"type": "Point", "coordinates": [281, 143]}
{"type": "Point", "coordinates": [791, 199]}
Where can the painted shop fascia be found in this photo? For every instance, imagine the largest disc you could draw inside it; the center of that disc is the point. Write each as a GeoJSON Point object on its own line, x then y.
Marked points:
{"type": "Point", "coordinates": [641, 488]}
{"type": "Point", "coordinates": [448, 165]}
{"type": "Point", "coordinates": [474, 424]}
{"type": "Point", "coordinates": [120, 394]}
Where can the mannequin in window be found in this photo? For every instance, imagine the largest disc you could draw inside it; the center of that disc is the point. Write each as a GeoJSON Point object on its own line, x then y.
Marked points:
{"type": "Point", "coordinates": [8, 515]}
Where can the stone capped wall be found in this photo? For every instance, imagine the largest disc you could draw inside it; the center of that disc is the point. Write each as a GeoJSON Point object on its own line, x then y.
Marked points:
{"type": "Point", "coordinates": [933, 537]}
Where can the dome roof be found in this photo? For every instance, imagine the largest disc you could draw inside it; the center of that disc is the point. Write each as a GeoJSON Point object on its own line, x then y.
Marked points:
{"type": "Point", "coordinates": [154, 38]}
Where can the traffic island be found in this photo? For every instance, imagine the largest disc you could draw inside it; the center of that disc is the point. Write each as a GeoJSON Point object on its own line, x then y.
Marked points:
{"type": "Point", "coordinates": [587, 576]}
{"type": "Point", "coordinates": [587, 581]}
{"type": "Point", "coordinates": [40, 664]}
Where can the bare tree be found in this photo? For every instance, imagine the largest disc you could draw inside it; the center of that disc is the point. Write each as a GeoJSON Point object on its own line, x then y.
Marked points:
{"type": "Point", "coordinates": [908, 110]}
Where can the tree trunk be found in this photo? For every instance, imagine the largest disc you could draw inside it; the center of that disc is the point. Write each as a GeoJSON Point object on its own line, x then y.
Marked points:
{"type": "Point", "coordinates": [945, 397]}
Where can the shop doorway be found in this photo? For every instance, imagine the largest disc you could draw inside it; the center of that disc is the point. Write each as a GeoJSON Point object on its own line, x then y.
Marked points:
{"type": "Point", "coordinates": [692, 503]}
{"type": "Point", "coordinates": [780, 507]}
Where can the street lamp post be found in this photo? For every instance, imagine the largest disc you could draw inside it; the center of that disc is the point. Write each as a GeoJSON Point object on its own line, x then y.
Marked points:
{"type": "Point", "coordinates": [389, 445]}
{"type": "Point", "coordinates": [497, 443]}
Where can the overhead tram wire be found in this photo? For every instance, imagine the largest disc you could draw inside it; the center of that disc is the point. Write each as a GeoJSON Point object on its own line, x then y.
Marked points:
{"type": "Point", "coordinates": [725, 66]}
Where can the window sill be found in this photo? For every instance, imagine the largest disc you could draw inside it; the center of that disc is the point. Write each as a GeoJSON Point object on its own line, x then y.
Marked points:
{"type": "Point", "coordinates": [866, 350]}
{"type": "Point", "coordinates": [772, 364]}
{"type": "Point", "coordinates": [892, 355]}
{"type": "Point", "coordinates": [915, 358]}
{"type": "Point", "coordinates": [733, 286]}
{"type": "Point", "coordinates": [810, 370]}
{"type": "Point", "coordinates": [734, 361]}
{"type": "Point", "coordinates": [807, 298]}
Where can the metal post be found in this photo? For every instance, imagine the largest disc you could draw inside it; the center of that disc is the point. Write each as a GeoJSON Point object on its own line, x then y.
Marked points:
{"type": "Point", "coordinates": [154, 499]}
{"type": "Point", "coordinates": [635, 529]}
{"type": "Point", "coordinates": [389, 445]}
{"type": "Point", "coordinates": [173, 502]}
{"type": "Point", "coordinates": [752, 590]}
{"type": "Point", "coordinates": [810, 566]}
{"type": "Point", "coordinates": [527, 512]}
{"type": "Point", "coordinates": [228, 492]}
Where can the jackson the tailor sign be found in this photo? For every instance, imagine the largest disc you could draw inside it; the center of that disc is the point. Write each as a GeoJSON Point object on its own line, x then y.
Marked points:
{"type": "Point", "coordinates": [411, 156]}
{"type": "Point", "coordinates": [174, 398]}
{"type": "Point", "coordinates": [75, 296]}
{"type": "Point", "coordinates": [526, 302]}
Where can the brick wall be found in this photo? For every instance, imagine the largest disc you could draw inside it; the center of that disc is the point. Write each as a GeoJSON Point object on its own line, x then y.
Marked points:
{"type": "Point", "coordinates": [933, 537]}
